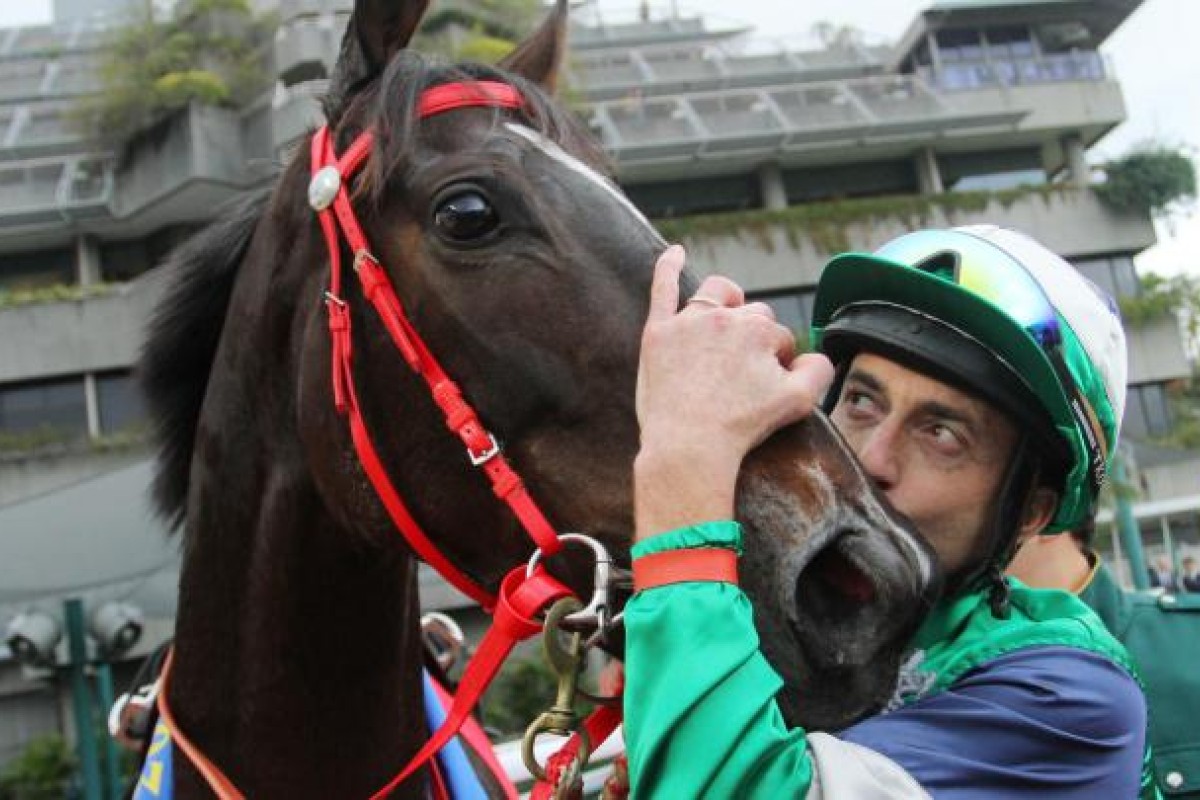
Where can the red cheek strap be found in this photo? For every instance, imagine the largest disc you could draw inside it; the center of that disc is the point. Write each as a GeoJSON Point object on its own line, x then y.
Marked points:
{"type": "Point", "coordinates": [711, 564]}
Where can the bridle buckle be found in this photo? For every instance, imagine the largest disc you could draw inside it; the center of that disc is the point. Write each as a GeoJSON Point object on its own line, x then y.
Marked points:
{"type": "Point", "coordinates": [479, 459]}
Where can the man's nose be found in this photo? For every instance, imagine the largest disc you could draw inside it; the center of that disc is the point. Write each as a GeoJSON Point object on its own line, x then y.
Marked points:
{"type": "Point", "coordinates": [879, 456]}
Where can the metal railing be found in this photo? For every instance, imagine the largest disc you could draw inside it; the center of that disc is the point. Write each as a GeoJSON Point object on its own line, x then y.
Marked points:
{"type": "Point", "coordinates": [54, 184]}
{"type": "Point", "coordinates": [776, 116]}
{"type": "Point", "coordinates": [693, 66]}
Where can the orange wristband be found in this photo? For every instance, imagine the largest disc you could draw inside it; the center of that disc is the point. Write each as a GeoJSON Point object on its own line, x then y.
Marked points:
{"type": "Point", "coordinates": [714, 564]}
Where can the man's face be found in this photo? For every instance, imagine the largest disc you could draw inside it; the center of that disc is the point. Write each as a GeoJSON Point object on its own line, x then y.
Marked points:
{"type": "Point", "coordinates": [938, 453]}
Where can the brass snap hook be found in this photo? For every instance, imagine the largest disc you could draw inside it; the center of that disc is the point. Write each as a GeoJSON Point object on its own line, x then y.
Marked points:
{"type": "Point", "coordinates": [566, 659]}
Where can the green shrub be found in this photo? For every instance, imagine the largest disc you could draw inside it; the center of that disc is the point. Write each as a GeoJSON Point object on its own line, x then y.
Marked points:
{"type": "Point", "coordinates": [522, 691]}
{"type": "Point", "coordinates": [151, 68]}
{"type": "Point", "coordinates": [1148, 180]}
{"type": "Point", "coordinates": [55, 293]}
{"type": "Point", "coordinates": [42, 772]}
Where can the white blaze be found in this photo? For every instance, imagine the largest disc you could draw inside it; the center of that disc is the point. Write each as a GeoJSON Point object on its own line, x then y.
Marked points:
{"type": "Point", "coordinates": [557, 154]}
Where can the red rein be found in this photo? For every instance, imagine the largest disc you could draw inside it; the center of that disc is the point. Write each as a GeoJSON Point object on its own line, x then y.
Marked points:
{"type": "Point", "coordinates": [522, 598]}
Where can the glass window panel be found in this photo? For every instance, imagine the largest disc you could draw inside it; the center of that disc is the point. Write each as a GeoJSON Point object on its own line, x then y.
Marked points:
{"type": "Point", "coordinates": [1125, 277]}
{"type": "Point", "coordinates": [1098, 271]}
{"type": "Point", "coordinates": [57, 404]}
{"type": "Point", "coordinates": [120, 400]}
{"type": "Point", "coordinates": [1158, 411]}
{"type": "Point", "coordinates": [1006, 34]}
{"type": "Point", "coordinates": [33, 270]}
{"type": "Point", "coordinates": [1134, 424]}
{"type": "Point", "coordinates": [957, 37]}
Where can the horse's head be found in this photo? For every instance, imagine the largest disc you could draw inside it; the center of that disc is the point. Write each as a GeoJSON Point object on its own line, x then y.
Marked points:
{"type": "Point", "coordinates": [527, 273]}
{"type": "Point", "coordinates": [523, 268]}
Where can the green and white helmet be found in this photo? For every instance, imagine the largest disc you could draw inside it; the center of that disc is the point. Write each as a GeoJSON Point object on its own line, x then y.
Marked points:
{"type": "Point", "coordinates": [996, 313]}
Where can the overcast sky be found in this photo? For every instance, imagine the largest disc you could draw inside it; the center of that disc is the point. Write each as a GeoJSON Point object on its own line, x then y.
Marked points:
{"type": "Point", "coordinates": [1155, 54]}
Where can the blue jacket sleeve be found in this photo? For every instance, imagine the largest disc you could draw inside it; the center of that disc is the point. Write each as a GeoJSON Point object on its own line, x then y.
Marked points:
{"type": "Point", "coordinates": [1048, 722]}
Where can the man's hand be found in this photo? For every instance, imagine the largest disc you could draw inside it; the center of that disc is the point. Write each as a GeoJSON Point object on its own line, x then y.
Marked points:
{"type": "Point", "coordinates": [714, 381]}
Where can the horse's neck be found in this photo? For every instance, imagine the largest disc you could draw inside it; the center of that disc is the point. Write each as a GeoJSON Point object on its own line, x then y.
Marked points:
{"type": "Point", "coordinates": [298, 653]}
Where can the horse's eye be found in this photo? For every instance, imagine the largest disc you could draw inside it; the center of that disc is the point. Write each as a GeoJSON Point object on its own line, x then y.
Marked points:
{"type": "Point", "coordinates": [465, 217]}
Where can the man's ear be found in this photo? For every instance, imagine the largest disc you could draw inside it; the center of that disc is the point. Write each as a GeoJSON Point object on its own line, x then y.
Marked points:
{"type": "Point", "coordinates": [1039, 510]}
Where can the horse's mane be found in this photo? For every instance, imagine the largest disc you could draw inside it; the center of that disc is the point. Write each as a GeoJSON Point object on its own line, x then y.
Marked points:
{"type": "Point", "coordinates": [181, 342]}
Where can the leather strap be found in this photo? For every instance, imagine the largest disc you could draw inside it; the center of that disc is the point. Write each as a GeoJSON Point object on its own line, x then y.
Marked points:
{"type": "Point", "coordinates": [222, 787]}
{"type": "Point", "coordinates": [682, 566]}
{"type": "Point", "coordinates": [521, 600]}
{"type": "Point", "coordinates": [460, 417]}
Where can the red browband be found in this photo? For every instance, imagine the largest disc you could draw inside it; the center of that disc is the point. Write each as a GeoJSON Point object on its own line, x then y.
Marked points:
{"type": "Point", "coordinates": [449, 96]}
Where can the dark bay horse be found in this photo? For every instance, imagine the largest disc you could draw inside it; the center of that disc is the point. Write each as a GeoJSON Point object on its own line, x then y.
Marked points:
{"type": "Point", "coordinates": [297, 649]}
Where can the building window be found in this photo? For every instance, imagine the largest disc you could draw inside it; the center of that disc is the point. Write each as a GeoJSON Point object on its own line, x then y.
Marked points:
{"type": "Point", "coordinates": [126, 260]}
{"type": "Point", "coordinates": [120, 402]}
{"type": "Point", "coordinates": [671, 199]}
{"type": "Point", "coordinates": [1116, 275]}
{"type": "Point", "coordinates": [1147, 411]}
{"type": "Point", "coordinates": [959, 44]}
{"type": "Point", "coordinates": [57, 405]}
{"type": "Point", "coordinates": [37, 270]}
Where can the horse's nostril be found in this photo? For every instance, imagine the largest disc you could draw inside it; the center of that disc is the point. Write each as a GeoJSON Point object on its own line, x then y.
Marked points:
{"type": "Point", "coordinates": [832, 586]}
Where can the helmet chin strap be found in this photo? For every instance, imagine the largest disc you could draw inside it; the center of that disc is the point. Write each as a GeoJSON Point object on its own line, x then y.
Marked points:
{"type": "Point", "coordinates": [999, 543]}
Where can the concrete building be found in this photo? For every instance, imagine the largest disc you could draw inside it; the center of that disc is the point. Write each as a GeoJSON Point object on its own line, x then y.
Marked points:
{"type": "Point", "coordinates": [762, 161]}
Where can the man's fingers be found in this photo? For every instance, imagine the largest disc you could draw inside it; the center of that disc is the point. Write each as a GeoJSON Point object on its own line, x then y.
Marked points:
{"type": "Point", "coordinates": [721, 291]}
{"type": "Point", "coordinates": [664, 291]}
{"type": "Point", "coordinates": [810, 376]}
{"type": "Point", "coordinates": [761, 308]}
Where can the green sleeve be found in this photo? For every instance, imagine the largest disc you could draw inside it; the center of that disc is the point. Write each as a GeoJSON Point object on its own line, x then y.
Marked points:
{"type": "Point", "coordinates": [700, 712]}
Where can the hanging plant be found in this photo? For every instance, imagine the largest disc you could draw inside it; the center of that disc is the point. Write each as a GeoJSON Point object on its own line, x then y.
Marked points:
{"type": "Point", "coordinates": [1149, 180]}
{"type": "Point", "coordinates": [210, 52]}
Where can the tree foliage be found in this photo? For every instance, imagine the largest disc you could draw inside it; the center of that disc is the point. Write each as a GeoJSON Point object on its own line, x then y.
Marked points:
{"type": "Point", "coordinates": [208, 51]}
{"type": "Point", "coordinates": [42, 772]}
{"type": "Point", "coordinates": [522, 691]}
{"type": "Point", "coordinates": [476, 30]}
{"type": "Point", "coordinates": [1179, 297]}
{"type": "Point", "coordinates": [1161, 296]}
{"type": "Point", "coordinates": [1149, 180]}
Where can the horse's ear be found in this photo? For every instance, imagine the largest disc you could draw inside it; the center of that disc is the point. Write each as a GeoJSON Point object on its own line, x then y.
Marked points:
{"type": "Point", "coordinates": [539, 57]}
{"type": "Point", "coordinates": [377, 30]}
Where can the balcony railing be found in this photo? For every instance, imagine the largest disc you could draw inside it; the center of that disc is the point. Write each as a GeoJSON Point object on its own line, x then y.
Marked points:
{"type": "Point", "coordinates": [55, 184]}
{"type": "Point", "coordinates": [51, 39]}
{"type": "Point", "coordinates": [696, 66]}
{"type": "Point", "coordinates": [749, 120]}
{"type": "Point", "coordinates": [597, 35]}
{"type": "Point", "coordinates": [1055, 68]}
{"type": "Point", "coordinates": [37, 129]}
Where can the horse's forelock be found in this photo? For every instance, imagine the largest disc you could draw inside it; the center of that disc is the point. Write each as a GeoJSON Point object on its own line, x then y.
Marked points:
{"type": "Point", "coordinates": [391, 108]}
{"type": "Point", "coordinates": [181, 342]}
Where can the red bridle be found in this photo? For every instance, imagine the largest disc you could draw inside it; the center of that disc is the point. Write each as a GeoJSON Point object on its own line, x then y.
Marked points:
{"type": "Point", "coordinates": [524, 593]}
{"type": "Point", "coordinates": [330, 198]}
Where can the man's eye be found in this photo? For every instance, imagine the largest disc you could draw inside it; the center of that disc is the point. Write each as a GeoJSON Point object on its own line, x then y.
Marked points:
{"type": "Point", "coordinates": [945, 437]}
{"type": "Point", "coordinates": [858, 401]}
